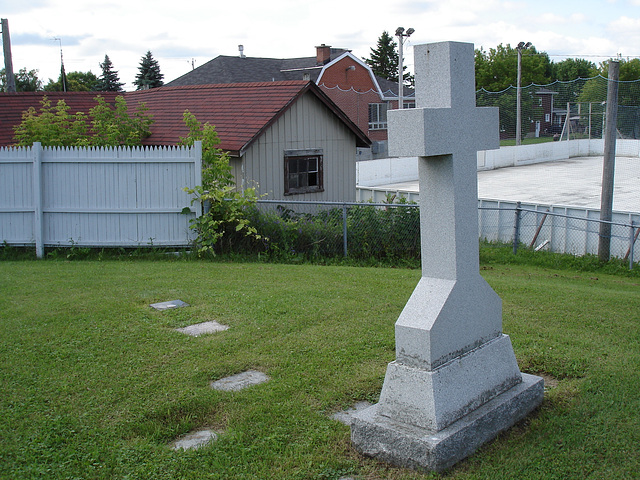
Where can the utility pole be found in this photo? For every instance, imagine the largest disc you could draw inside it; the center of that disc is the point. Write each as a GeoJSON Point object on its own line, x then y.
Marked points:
{"type": "Point", "coordinates": [63, 74]}
{"type": "Point", "coordinates": [8, 62]}
{"type": "Point", "coordinates": [608, 163]}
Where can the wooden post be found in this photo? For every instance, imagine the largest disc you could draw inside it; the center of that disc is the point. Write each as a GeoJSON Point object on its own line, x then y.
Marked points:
{"type": "Point", "coordinates": [8, 62]}
{"type": "Point", "coordinates": [608, 164]}
{"type": "Point", "coordinates": [38, 226]}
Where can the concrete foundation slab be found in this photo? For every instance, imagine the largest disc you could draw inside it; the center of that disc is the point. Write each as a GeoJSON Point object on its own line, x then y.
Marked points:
{"type": "Point", "coordinates": [203, 328]}
{"type": "Point", "coordinates": [242, 380]}
{"type": "Point", "coordinates": [408, 446]}
{"type": "Point", "coordinates": [169, 305]}
{"type": "Point", "coordinates": [195, 440]}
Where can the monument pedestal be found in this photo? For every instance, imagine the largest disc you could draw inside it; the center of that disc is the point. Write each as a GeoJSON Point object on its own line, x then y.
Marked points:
{"type": "Point", "coordinates": [406, 445]}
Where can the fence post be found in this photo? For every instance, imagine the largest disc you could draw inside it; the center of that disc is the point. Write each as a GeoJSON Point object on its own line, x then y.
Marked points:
{"type": "Point", "coordinates": [632, 240]}
{"type": "Point", "coordinates": [197, 153]}
{"type": "Point", "coordinates": [344, 228]}
{"type": "Point", "coordinates": [38, 227]}
{"type": "Point", "coordinates": [516, 228]}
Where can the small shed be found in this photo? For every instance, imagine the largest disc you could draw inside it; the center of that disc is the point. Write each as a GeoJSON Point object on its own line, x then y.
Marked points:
{"type": "Point", "coordinates": [287, 138]}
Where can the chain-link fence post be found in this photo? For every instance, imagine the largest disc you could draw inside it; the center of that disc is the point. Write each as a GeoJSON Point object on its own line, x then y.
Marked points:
{"type": "Point", "coordinates": [633, 236]}
{"type": "Point", "coordinates": [516, 228]}
{"type": "Point", "coordinates": [344, 228]}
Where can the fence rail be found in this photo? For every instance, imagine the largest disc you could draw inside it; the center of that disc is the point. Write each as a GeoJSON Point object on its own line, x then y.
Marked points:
{"type": "Point", "coordinates": [97, 197]}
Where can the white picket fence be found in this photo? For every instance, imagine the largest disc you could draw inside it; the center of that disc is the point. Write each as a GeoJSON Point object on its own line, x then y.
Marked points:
{"type": "Point", "coordinates": [98, 197]}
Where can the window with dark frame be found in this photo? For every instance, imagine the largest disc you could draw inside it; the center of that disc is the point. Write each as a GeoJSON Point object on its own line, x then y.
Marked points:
{"type": "Point", "coordinates": [303, 171]}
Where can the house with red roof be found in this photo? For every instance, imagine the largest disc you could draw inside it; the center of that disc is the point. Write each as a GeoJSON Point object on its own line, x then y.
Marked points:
{"type": "Point", "coordinates": [287, 139]}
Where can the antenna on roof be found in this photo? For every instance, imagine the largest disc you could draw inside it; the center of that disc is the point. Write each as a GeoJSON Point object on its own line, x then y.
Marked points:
{"type": "Point", "coordinates": [241, 48]}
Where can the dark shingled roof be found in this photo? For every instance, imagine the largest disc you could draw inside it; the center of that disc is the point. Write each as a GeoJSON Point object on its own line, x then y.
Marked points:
{"type": "Point", "coordinates": [240, 112]}
{"type": "Point", "coordinates": [226, 69]}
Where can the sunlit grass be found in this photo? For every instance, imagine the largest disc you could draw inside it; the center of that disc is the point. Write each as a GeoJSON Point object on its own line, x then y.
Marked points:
{"type": "Point", "coordinates": [96, 384]}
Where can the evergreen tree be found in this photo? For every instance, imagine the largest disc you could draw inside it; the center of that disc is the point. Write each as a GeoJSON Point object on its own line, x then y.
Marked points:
{"type": "Point", "coordinates": [384, 58]}
{"type": "Point", "coordinates": [109, 80]}
{"type": "Point", "coordinates": [149, 75]}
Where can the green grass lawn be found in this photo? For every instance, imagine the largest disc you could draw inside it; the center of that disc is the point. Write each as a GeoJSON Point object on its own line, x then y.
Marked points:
{"type": "Point", "coordinates": [510, 142]}
{"type": "Point", "coordinates": [96, 384]}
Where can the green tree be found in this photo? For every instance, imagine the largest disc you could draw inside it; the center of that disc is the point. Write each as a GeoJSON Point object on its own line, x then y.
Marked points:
{"type": "Point", "coordinates": [26, 81]}
{"type": "Point", "coordinates": [149, 75]}
{"type": "Point", "coordinates": [227, 214]}
{"type": "Point", "coordinates": [109, 80]}
{"type": "Point", "coordinates": [115, 126]}
{"type": "Point", "coordinates": [76, 82]}
{"type": "Point", "coordinates": [55, 126]}
{"type": "Point", "coordinates": [595, 90]}
{"type": "Point", "coordinates": [572, 68]}
{"type": "Point", "coordinates": [497, 69]}
{"type": "Point", "coordinates": [384, 58]}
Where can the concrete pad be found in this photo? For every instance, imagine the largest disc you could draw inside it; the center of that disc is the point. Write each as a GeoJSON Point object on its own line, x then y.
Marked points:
{"type": "Point", "coordinates": [575, 182]}
{"type": "Point", "coordinates": [195, 440]}
{"type": "Point", "coordinates": [346, 416]}
{"type": "Point", "coordinates": [203, 328]}
{"type": "Point", "coordinates": [240, 381]}
{"type": "Point", "coordinates": [408, 446]}
{"type": "Point", "coordinates": [169, 305]}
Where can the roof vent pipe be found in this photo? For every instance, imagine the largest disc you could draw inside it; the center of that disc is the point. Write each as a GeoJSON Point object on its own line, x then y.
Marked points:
{"type": "Point", "coordinates": [241, 48]}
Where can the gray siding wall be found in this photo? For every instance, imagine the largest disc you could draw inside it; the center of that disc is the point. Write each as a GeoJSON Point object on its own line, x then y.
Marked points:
{"type": "Point", "coordinates": [306, 124]}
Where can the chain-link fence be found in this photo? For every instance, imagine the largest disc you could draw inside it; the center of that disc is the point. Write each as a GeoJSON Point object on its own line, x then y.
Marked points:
{"type": "Point", "coordinates": [558, 229]}
{"type": "Point", "coordinates": [565, 110]}
{"type": "Point", "coordinates": [392, 231]}
{"type": "Point", "coordinates": [555, 111]}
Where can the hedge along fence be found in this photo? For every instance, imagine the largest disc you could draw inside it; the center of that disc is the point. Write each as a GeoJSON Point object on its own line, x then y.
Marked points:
{"type": "Point", "coordinates": [331, 229]}
{"type": "Point", "coordinates": [379, 231]}
{"type": "Point", "coordinates": [97, 197]}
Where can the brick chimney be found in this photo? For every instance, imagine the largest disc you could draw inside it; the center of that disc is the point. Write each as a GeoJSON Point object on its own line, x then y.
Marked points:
{"type": "Point", "coordinates": [323, 54]}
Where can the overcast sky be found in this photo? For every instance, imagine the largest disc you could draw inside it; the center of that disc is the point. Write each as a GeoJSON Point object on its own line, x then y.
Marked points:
{"type": "Point", "coordinates": [190, 32]}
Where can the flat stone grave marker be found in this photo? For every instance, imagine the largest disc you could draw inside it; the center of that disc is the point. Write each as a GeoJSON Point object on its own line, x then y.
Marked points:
{"type": "Point", "coordinates": [455, 383]}
{"type": "Point", "coordinates": [203, 328]}
{"type": "Point", "coordinates": [195, 440]}
{"type": "Point", "coordinates": [169, 305]}
{"type": "Point", "coordinates": [239, 381]}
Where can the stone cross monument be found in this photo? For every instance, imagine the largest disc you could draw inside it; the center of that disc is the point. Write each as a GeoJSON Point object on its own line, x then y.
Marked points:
{"type": "Point", "coordinates": [455, 383]}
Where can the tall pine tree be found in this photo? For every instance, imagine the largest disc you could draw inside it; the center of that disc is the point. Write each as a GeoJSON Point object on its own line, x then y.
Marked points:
{"type": "Point", "coordinates": [109, 80]}
{"type": "Point", "coordinates": [384, 58]}
{"type": "Point", "coordinates": [149, 75]}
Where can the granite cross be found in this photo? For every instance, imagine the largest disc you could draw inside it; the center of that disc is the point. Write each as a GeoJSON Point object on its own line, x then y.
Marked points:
{"type": "Point", "coordinates": [455, 382]}
{"type": "Point", "coordinates": [445, 131]}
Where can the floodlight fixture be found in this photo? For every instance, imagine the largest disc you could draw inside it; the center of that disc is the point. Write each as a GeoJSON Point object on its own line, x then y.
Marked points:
{"type": "Point", "coordinates": [402, 36]}
{"type": "Point", "coordinates": [519, 48]}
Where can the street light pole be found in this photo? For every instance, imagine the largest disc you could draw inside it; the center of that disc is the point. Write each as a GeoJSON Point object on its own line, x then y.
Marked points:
{"type": "Point", "coordinates": [519, 48]}
{"type": "Point", "coordinates": [400, 33]}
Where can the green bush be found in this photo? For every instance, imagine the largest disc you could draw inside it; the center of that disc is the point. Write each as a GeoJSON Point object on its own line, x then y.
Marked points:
{"type": "Point", "coordinates": [373, 233]}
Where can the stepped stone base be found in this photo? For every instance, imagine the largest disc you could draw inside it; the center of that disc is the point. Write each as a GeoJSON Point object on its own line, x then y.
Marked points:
{"type": "Point", "coordinates": [408, 446]}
